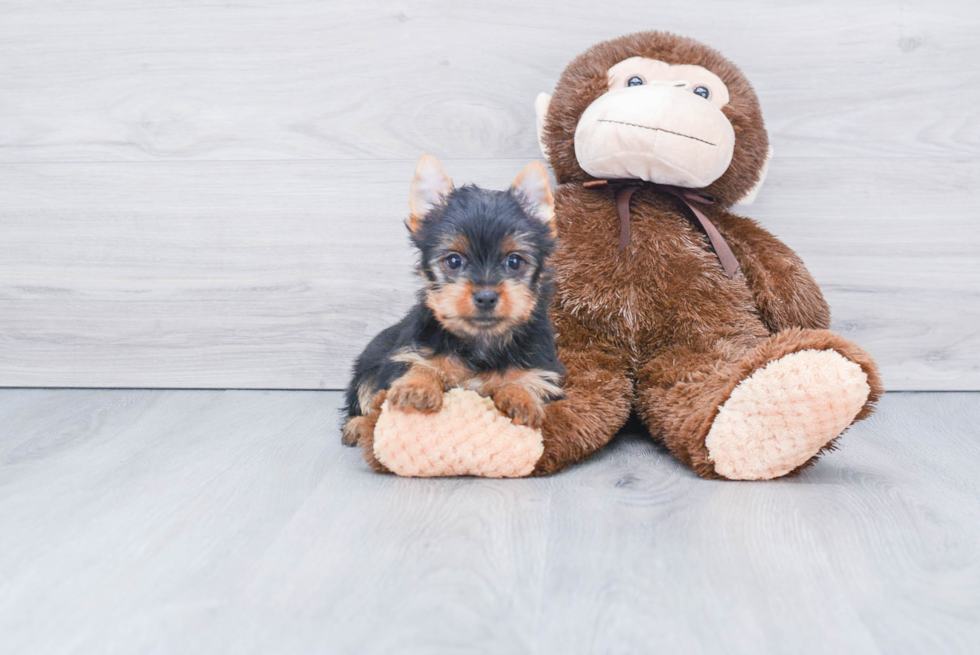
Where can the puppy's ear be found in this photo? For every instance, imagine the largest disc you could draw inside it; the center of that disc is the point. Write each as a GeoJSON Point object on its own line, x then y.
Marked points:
{"type": "Point", "coordinates": [532, 187]}
{"type": "Point", "coordinates": [430, 188]}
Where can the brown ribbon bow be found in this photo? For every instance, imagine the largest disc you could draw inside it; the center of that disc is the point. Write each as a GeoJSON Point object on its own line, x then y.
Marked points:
{"type": "Point", "coordinates": [689, 196]}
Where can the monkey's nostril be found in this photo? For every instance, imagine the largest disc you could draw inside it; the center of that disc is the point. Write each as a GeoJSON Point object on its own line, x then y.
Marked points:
{"type": "Point", "coordinates": [485, 299]}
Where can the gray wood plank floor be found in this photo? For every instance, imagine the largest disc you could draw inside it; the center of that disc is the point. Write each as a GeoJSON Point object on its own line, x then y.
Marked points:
{"type": "Point", "coordinates": [233, 521]}
{"type": "Point", "coordinates": [211, 194]}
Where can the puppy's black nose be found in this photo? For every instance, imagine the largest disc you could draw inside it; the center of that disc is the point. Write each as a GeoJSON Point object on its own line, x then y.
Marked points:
{"type": "Point", "coordinates": [485, 299]}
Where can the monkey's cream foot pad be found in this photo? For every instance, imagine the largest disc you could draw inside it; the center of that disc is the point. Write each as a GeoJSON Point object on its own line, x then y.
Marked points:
{"type": "Point", "coordinates": [784, 413]}
{"type": "Point", "coordinates": [468, 436]}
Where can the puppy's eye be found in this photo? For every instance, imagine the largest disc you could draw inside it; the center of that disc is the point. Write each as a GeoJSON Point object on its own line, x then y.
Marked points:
{"type": "Point", "coordinates": [702, 91]}
{"type": "Point", "coordinates": [636, 80]}
{"type": "Point", "coordinates": [515, 262]}
{"type": "Point", "coordinates": [453, 262]}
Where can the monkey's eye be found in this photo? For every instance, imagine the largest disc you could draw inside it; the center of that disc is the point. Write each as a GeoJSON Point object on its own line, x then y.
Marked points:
{"type": "Point", "coordinates": [636, 80]}
{"type": "Point", "coordinates": [515, 262]}
{"type": "Point", "coordinates": [453, 262]}
{"type": "Point", "coordinates": [702, 91]}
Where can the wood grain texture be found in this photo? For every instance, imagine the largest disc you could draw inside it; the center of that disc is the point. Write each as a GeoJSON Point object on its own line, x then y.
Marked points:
{"type": "Point", "coordinates": [275, 275]}
{"type": "Point", "coordinates": [209, 521]}
{"type": "Point", "coordinates": [110, 80]}
{"type": "Point", "coordinates": [209, 195]}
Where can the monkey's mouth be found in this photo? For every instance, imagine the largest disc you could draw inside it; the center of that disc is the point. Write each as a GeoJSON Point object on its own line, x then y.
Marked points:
{"type": "Point", "coordinates": [656, 129]}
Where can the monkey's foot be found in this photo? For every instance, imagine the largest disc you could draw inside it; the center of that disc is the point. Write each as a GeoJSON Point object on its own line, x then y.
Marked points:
{"type": "Point", "coordinates": [467, 436]}
{"type": "Point", "coordinates": [783, 414]}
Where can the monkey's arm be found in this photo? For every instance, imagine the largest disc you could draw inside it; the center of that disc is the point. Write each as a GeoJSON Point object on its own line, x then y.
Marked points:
{"type": "Point", "coordinates": [598, 393]}
{"type": "Point", "coordinates": [785, 293]}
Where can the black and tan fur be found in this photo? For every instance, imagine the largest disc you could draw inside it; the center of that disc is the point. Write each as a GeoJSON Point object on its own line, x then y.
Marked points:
{"type": "Point", "coordinates": [481, 322]}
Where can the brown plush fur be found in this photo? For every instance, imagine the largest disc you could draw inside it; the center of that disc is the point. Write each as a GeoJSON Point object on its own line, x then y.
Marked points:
{"type": "Point", "coordinates": [659, 328]}
{"type": "Point", "coordinates": [585, 79]}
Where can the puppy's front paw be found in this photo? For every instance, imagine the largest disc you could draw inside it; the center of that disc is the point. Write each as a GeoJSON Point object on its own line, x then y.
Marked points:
{"type": "Point", "coordinates": [415, 394]}
{"type": "Point", "coordinates": [355, 428]}
{"type": "Point", "coordinates": [360, 429]}
{"type": "Point", "coordinates": [521, 406]}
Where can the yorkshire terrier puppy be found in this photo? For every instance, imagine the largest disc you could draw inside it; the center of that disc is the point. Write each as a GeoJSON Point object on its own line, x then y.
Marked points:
{"type": "Point", "coordinates": [481, 322]}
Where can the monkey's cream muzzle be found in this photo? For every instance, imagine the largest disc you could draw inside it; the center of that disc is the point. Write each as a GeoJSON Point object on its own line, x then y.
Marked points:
{"type": "Point", "coordinates": [656, 132]}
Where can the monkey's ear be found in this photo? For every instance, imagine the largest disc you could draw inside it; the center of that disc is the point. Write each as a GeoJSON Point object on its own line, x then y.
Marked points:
{"type": "Point", "coordinates": [532, 186]}
{"type": "Point", "coordinates": [430, 188]}
{"type": "Point", "coordinates": [749, 197]}
{"type": "Point", "coordinates": [541, 104]}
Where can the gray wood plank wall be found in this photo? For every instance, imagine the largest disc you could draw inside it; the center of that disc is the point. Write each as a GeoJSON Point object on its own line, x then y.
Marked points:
{"type": "Point", "coordinates": [211, 195]}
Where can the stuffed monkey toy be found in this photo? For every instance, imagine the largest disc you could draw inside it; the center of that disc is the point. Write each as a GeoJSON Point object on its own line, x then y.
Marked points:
{"type": "Point", "coordinates": [668, 304]}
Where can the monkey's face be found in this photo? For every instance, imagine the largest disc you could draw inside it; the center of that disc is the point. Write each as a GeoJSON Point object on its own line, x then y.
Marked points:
{"type": "Point", "coordinates": [657, 107]}
{"type": "Point", "coordinates": [659, 123]}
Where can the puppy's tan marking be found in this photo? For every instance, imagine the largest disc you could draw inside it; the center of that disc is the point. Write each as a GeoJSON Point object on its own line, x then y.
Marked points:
{"type": "Point", "coordinates": [520, 394]}
{"type": "Point", "coordinates": [510, 244]}
{"type": "Point", "coordinates": [458, 243]}
{"type": "Point", "coordinates": [355, 428]}
{"type": "Point", "coordinates": [365, 394]}
{"type": "Point", "coordinates": [515, 305]}
{"type": "Point", "coordinates": [519, 243]}
{"type": "Point", "coordinates": [428, 376]}
{"type": "Point", "coordinates": [359, 429]}
{"type": "Point", "coordinates": [452, 305]}
{"type": "Point", "coordinates": [449, 369]}
{"type": "Point", "coordinates": [523, 407]}
{"type": "Point", "coordinates": [540, 383]}
{"type": "Point", "coordinates": [420, 389]}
